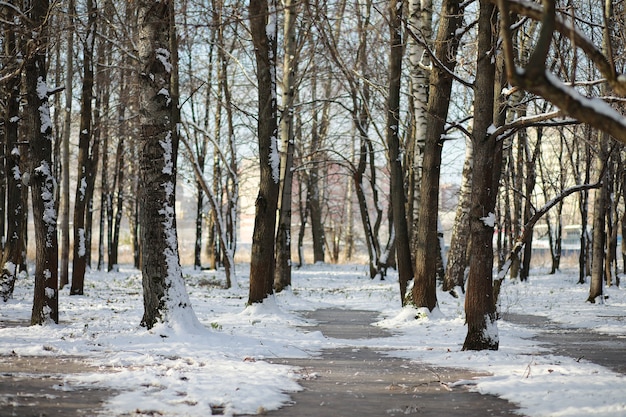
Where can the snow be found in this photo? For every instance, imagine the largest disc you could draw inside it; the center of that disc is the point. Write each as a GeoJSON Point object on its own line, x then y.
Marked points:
{"type": "Point", "coordinates": [274, 159]}
{"type": "Point", "coordinates": [163, 56]}
{"type": "Point", "coordinates": [188, 370]}
{"type": "Point", "coordinates": [168, 163]}
{"type": "Point", "coordinates": [489, 220]}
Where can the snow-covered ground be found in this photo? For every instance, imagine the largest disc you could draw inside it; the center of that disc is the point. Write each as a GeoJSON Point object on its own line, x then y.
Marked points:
{"type": "Point", "coordinates": [187, 371]}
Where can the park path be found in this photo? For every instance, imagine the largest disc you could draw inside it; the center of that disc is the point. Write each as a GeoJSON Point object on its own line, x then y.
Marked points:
{"type": "Point", "coordinates": [581, 344]}
{"type": "Point", "coordinates": [34, 386]}
{"type": "Point", "coordinates": [357, 381]}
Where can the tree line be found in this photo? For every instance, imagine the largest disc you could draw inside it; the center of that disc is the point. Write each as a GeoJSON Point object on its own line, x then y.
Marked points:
{"type": "Point", "coordinates": [342, 107]}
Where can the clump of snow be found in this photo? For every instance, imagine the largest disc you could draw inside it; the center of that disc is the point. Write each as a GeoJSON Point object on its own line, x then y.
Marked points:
{"type": "Point", "coordinates": [489, 220]}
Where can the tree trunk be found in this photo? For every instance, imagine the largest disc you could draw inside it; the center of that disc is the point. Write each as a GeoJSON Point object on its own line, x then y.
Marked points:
{"type": "Point", "coordinates": [599, 225]}
{"type": "Point", "coordinates": [42, 182]}
{"type": "Point", "coordinates": [164, 293]}
{"type": "Point", "coordinates": [65, 151]}
{"type": "Point", "coordinates": [13, 247]}
{"type": "Point", "coordinates": [460, 241]}
{"type": "Point", "coordinates": [282, 277]}
{"type": "Point", "coordinates": [263, 30]}
{"type": "Point", "coordinates": [420, 25]}
{"type": "Point", "coordinates": [398, 197]}
{"type": "Point", "coordinates": [426, 249]}
{"type": "Point", "coordinates": [480, 309]}
{"type": "Point", "coordinates": [81, 201]}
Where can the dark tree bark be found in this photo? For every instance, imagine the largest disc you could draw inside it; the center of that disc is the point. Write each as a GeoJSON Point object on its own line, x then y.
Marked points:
{"type": "Point", "coordinates": [164, 293]}
{"type": "Point", "coordinates": [263, 29]}
{"type": "Point", "coordinates": [65, 151]}
{"type": "Point", "coordinates": [12, 172]}
{"type": "Point", "coordinates": [427, 244]}
{"type": "Point", "coordinates": [81, 200]}
{"type": "Point", "coordinates": [480, 309]}
{"type": "Point", "coordinates": [42, 181]}
{"type": "Point", "coordinates": [398, 197]}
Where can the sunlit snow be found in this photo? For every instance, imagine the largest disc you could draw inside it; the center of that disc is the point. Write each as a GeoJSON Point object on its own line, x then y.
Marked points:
{"type": "Point", "coordinates": [184, 371]}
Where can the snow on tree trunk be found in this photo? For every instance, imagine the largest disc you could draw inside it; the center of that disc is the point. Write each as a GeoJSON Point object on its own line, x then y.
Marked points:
{"type": "Point", "coordinates": [14, 239]}
{"type": "Point", "coordinates": [165, 297]}
{"type": "Point", "coordinates": [480, 308]}
{"type": "Point", "coordinates": [79, 260]}
{"type": "Point", "coordinates": [263, 29]}
{"type": "Point", "coordinates": [42, 181]}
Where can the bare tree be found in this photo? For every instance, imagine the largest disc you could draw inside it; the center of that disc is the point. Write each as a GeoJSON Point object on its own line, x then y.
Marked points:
{"type": "Point", "coordinates": [441, 78]}
{"type": "Point", "coordinates": [164, 293]}
{"type": "Point", "coordinates": [42, 181]}
{"type": "Point", "coordinates": [263, 28]}
{"type": "Point", "coordinates": [86, 163]}
{"type": "Point", "coordinates": [480, 312]}
{"type": "Point", "coordinates": [398, 195]}
{"type": "Point", "coordinates": [282, 277]}
{"type": "Point", "coordinates": [12, 169]}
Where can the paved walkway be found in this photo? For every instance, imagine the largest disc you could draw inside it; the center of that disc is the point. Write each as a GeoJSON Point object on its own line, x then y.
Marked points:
{"type": "Point", "coordinates": [349, 382]}
{"type": "Point", "coordinates": [342, 382]}
{"type": "Point", "coordinates": [581, 344]}
{"type": "Point", "coordinates": [33, 386]}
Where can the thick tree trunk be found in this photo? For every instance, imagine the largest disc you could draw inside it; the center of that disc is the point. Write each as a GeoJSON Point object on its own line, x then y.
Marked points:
{"type": "Point", "coordinates": [42, 182]}
{"type": "Point", "coordinates": [427, 245]}
{"type": "Point", "coordinates": [480, 309]}
{"type": "Point", "coordinates": [164, 293]}
{"type": "Point", "coordinates": [263, 29]}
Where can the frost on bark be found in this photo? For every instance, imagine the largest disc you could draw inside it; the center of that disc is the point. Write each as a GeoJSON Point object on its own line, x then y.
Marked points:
{"type": "Point", "coordinates": [263, 31]}
{"type": "Point", "coordinates": [42, 181]}
{"type": "Point", "coordinates": [164, 293]}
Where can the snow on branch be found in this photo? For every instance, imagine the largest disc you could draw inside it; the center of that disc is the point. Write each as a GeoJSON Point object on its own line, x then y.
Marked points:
{"type": "Point", "coordinates": [536, 79]}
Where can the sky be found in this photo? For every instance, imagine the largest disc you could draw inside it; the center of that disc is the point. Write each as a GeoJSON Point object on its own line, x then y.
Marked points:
{"type": "Point", "coordinates": [185, 369]}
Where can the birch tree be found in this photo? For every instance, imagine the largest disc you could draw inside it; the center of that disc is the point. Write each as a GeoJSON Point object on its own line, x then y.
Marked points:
{"type": "Point", "coordinates": [441, 78]}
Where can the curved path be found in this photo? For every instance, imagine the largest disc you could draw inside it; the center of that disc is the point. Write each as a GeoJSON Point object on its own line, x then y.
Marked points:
{"type": "Point", "coordinates": [349, 382]}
